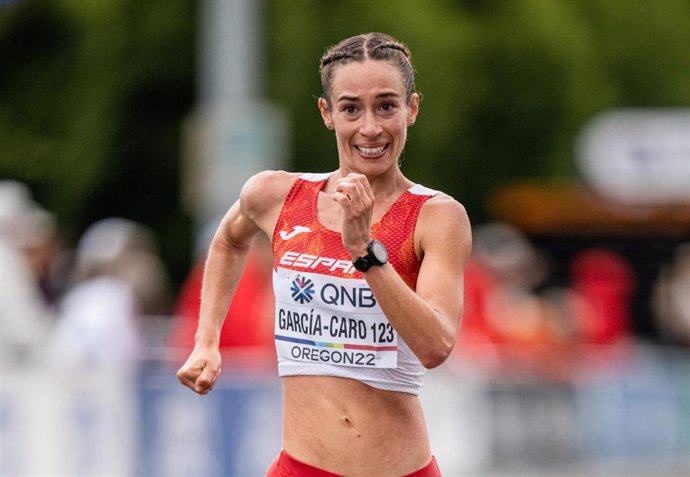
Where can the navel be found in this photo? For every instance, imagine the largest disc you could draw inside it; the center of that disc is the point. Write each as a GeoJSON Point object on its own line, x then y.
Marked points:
{"type": "Point", "coordinates": [350, 425]}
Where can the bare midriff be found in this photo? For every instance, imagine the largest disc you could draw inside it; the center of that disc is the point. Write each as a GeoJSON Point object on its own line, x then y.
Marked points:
{"type": "Point", "coordinates": [349, 428]}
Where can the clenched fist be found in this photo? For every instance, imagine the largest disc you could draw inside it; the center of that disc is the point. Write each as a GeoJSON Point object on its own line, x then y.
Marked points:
{"type": "Point", "coordinates": [201, 370]}
{"type": "Point", "coordinates": [356, 199]}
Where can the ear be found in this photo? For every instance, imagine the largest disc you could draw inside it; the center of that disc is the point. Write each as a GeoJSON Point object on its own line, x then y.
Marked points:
{"type": "Point", "coordinates": [413, 109]}
{"type": "Point", "coordinates": [326, 113]}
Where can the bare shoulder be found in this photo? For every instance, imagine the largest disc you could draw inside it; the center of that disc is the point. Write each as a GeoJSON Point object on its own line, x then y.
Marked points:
{"type": "Point", "coordinates": [264, 193]}
{"type": "Point", "coordinates": [444, 220]}
{"type": "Point", "coordinates": [443, 208]}
{"type": "Point", "coordinates": [268, 186]}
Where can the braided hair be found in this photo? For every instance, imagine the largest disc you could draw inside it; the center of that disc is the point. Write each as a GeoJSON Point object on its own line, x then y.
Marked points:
{"type": "Point", "coordinates": [375, 46]}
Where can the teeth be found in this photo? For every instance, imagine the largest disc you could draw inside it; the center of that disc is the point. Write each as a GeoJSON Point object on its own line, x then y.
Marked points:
{"type": "Point", "coordinates": [371, 151]}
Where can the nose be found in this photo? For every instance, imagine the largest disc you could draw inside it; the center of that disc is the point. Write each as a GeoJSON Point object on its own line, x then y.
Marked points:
{"type": "Point", "coordinates": [370, 126]}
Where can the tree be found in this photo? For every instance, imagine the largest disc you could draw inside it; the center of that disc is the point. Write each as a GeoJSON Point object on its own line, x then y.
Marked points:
{"type": "Point", "coordinates": [92, 98]}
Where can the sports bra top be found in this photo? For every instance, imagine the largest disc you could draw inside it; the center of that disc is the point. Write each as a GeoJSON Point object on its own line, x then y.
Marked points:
{"type": "Point", "coordinates": [327, 320]}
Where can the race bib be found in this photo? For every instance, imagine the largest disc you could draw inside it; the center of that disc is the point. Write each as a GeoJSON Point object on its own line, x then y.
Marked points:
{"type": "Point", "coordinates": [331, 320]}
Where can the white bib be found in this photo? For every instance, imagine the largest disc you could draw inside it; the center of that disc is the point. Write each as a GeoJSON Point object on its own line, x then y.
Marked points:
{"type": "Point", "coordinates": [331, 320]}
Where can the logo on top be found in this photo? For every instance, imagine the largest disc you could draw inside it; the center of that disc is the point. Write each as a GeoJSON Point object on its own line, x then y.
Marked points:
{"type": "Point", "coordinates": [302, 290]}
{"type": "Point", "coordinates": [296, 230]}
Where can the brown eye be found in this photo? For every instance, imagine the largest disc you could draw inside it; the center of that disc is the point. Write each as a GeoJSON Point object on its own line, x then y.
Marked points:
{"type": "Point", "coordinates": [387, 107]}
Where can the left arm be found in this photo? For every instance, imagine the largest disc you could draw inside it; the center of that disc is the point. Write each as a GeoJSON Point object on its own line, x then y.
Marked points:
{"type": "Point", "coordinates": [427, 319]}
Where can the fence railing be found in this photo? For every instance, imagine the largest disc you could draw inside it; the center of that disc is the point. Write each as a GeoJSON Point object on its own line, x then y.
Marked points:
{"type": "Point", "coordinates": [630, 418]}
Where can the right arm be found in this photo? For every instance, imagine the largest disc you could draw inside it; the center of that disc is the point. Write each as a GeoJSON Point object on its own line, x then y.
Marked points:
{"type": "Point", "coordinates": [255, 211]}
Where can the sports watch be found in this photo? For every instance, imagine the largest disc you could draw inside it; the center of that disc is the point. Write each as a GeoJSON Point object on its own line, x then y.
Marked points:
{"type": "Point", "coordinates": [376, 255]}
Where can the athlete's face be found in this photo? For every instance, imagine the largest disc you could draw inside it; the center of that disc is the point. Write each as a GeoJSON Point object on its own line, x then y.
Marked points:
{"type": "Point", "coordinates": [370, 115]}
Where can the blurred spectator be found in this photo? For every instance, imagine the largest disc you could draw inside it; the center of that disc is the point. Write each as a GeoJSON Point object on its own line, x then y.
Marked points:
{"type": "Point", "coordinates": [25, 228]}
{"type": "Point", "coordinates": [501, 305]}
{"type": "Point", "coordinates": [118, 279]}
{"type": "Point", "coordinates": [126, 250]}
{"type": "Point", "coordinates": [605, 281]}
{"type": "Point", "coordinates": [671, 299]}
{"type": "Point", "coordinates": [516, 320]}
{"type": "Point", "coordinates": [248, 325]}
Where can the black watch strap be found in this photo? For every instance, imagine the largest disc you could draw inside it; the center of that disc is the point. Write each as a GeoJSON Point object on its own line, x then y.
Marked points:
{"type": "Point", "coordinates": [377, 255]}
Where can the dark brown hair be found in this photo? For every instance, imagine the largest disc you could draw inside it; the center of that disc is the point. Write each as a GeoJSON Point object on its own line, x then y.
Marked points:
{"type": "Point", "coordinates": [375, 46]}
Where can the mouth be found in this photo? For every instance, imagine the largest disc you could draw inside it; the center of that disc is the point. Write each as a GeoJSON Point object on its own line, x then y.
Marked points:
{"type": "Point", "coordinates": [372, 152]}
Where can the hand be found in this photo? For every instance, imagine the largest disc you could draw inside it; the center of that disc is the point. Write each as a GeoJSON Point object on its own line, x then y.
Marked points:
{"type": "Point", "coordinates": [201, 370]}
{"type": "Point", "coordinates": [356, 199]}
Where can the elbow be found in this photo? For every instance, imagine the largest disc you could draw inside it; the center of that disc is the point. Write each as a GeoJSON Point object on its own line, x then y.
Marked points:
{"type": "Point", "coordinates": [440, 348]}
{"type": "Point", "coordinates": [436, 356]}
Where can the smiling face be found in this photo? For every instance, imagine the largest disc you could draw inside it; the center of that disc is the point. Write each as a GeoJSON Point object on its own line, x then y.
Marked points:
{"type": "Point", "coordinates": [370, 114]}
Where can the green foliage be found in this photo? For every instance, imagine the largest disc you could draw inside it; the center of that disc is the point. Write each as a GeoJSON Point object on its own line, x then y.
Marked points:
{"type": "Point", "coordinates": [91, 101]}
{"type": "Point", "coordinates": [506, 84]}
{"type": "Point", "coordinates": [93, 93]}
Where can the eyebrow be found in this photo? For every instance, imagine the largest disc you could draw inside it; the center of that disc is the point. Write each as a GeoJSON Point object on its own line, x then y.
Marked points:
{"type": "Point", "coordinates": [390, 94]}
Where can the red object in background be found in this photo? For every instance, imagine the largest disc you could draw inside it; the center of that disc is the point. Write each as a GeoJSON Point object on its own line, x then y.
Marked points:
{"type": "Point", "coordinates": [249, 321]}
{"type": "Point", "coordinates": [606, 282]}
{"type": "Point", "coordinates": [479, 284]}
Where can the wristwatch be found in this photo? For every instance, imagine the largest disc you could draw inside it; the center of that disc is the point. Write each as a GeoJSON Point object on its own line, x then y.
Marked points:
{"type": "Point", "coordinates": [376, 255]}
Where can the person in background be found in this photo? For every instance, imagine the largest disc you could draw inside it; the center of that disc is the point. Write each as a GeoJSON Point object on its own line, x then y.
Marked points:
{"type": "Point", "coordinates": [605, 282]}
{"type": "Point", "coordinates": [118, 281]}
{"type": "Point", "coordinates": [671, 298]}
{"type": "Point", "coordinates": [503, 306]}
{"type": "Point", "coordinates": [368, 278]}
{"type": "Point", "coordinates": [26, 317]}
{"type": "Point", "coordinates": [516, 320]}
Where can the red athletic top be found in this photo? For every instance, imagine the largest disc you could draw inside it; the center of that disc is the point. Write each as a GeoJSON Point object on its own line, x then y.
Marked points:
{"type": "Point", "coordinates": [327, 319]}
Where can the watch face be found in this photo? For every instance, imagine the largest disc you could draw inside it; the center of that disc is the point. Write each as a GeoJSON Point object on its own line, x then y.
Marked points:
{"type": "Point", "coordinates": [378, 250]}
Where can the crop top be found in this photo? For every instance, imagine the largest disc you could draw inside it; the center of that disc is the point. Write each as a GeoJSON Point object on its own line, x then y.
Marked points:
{"type": "Point", "coordinates": [327, 320]}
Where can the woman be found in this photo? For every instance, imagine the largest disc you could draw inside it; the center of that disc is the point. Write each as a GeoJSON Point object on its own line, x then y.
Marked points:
{"type": "Point", "coordinates": [368, 278]}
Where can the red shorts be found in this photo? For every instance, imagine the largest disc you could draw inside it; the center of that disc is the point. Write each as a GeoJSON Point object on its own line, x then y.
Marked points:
{"type": "Point", "coordinates": [286, 466]}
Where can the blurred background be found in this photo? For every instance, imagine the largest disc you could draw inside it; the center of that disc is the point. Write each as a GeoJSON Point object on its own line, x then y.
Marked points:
{"type": "Point", "coordinates": [127, 128]}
